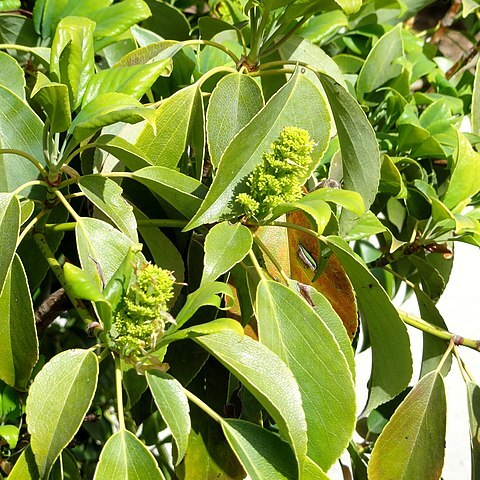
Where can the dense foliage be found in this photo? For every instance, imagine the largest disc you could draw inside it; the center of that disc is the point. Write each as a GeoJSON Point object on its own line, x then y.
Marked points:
{"type": "Point", "coordinates": [206, 210]}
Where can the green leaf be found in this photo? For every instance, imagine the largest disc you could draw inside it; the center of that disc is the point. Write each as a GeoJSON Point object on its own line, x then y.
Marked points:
{"type": "Point", "coordinates": [58, 400]}
{"type": "Point", "coordinates": [391, 357]}
{"type": "Point", "coordinates": [207, 294]}
{"type": "Point", "coordinates": [10, 434]}
{"type": "Point", "coordinates": [262, 453]}
{"type": "Point", "coordinates": [72, 56]}
{"type": "Point", "coordinates": [106, 195]}
{"type": "Point", "coordinates": [358, 144]}
{"type": "Point", "coordinates": [54, 99]}
{"type": "Point", "coordinates": [25, 467]}
{"type": "Point", "coordinates": [299, 103]}
{"type": "Point", "coordinates": [165, 146]}
{"type": "Point", "coordinates": [382, 63]}
{"type": "Point", "coordinates": [81, 284]}
{"type": "Point", "coordinates": [6, 5]}
{"type": "Point", "coordinates": [268, 378]}
{"type": "Point", "coordinates": [413, 442]}
{"type": "Point", "coordinates": [320, 29]}
{"type": "Point", "coordinates": [167, 21]}
{"type": "Point", "coordinates": [9, 230]}
{"type": "Point", "coordinates": [125, 456]}
{"type": "Point", "coordinates": [465, 177]}
{"type": "Point", "coordinates": [107, 109]}
{"type": "Point", "coordinates": [289, 327]}
{"type": "Point", "coordinates": [432, 281]}
{"type": "Point", "coordinates": [182, 192]}
{"type": "Point", "coordinates": [225, 246]}
{"type": "Point", "coordinates": [19, 345]}
{"type": "Point", "coordinates": [349, 6]}
{"type": "Point", "coordinates": [235, 100]}
{"type": "Point", "coordinates": [473, 402]}
{"type": "Point", "coordinates": [173, 406]}
{"type": "Point", "coordinates": [21, 130]}
{"type": "Point", "coordinates": [11, 75]}
{"type": "Point", "coordinates": [133, 80]}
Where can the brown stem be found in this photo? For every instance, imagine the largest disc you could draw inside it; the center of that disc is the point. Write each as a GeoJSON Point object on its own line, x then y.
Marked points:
{"type": "Point", "coordinates": [51, 307]}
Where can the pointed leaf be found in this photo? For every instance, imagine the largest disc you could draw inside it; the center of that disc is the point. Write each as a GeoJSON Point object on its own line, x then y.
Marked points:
{"type": "Point", "coordinates": [473, 402]}
{"type": "Point", "coordinates": [268, 378]}
{"type": "Point", "coordinates": [124, 456]}
{"type": "Point", "coordinates": [235, 100]}
{"type": "Point", "coordinates": [19, 345]}
{"type": "Point", "coordinates": [299, 103]}
{"type": "Point", "coordinates": [391, 357]}
{"type": "Point", "coordinates": [262, 453]}
{"type": "Point", "coordinates": [173, 406]}
{"type": "Point", "coordinates": [11, 75]}
{"type": "Point", "coordinates": [412, 444]}
{"type": "Point", "coordinates": [58, 401]}
{"type": "Point", "coordinates": [9, 230]}
{"type": "Point", "coordinates": [106, 195]}
{"type": "Point", "coordinates": [288, 326]}
{"type": "Point", "coordinates": [225, 246]}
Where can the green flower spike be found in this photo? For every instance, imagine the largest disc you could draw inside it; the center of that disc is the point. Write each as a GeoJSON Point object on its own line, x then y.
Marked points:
{"type": "Point", "coordinates": [278, 178]}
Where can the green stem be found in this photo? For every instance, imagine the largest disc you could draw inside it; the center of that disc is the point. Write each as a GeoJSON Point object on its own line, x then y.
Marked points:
{"type": "Point", "coordinates": [202, 405]}
{"type": "Point", "coordinates": [213, 44]}
{"type": "Point", "coordinates": [150, 222]}
{"type": "Point", "coordinates": [30, 225]}
{"type": "Point", "coordinates": [57, 269]}
{"type": "Point", "coordinates": [31, 183]}
{"type": "Point", "coordinates": [27, 156]}
{"type": "Point", "coordinates": [272, 258]}
{"type": "Point", "coordinates": [257, 266]}
{"type": "Point", "coordinates": [213, 72]}
{"type": "Point", "coordinates": [67, 205]}
{"type": "Point", "coordinates": [118, 386]}
{"type": "Point", "coordinates": [451, 345]}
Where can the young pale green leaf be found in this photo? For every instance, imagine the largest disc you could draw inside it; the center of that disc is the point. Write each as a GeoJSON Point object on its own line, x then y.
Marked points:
{"type": "Point", "coordinates": [9, 230]}
{"type": "Point", "coordinates": [59, 398]}
{"type": "Point", "coordinates": [289, 327]}
{"type": "Point", "coordinates": [349, 6]}
{"type": "Point", "coordinates": [165, 146]}
{"type": "Point", "coordinates": [225, 246]}
{"type": "Point", "coordinates": [54, 99]}
{"type": "Point", "coordinates": [182, 192]}
{"type": "Point", "coordinates": [473, 402]}
{"type": "Point", "coordinates": [107, 109]}
{"type": "Point", "coordinates": [412, 444]}
{"type": "Point", "coordinates": [465, 179]}
{"type": "Point", "coordinates": [21, 130]}
{"type": "Point", "coordinates": [133, 80]}
{"type": "Point", "coordinates": [173, 406]}
{"type": "Point", "coordinates": [234, 102]}
{"type": "Point", "coordinates": [263, 454]}
{"type": "Point", "coordinates": [268, 379]}
{"type": "Point", "coordinates": [391, 357]}
{"type": "Point", "coordinates": [25, 467]}
{"type": "Point", "coordinates": [299, 103]}
{"type": "Point", "coordinates": [124, 456]}
{"type": "Point", "coordinates": [72, 57]}
{"type": "Point", "coordinates": [207, 294]}
{"type": "Point", "coordinates": [81, 284]}
{"type": "Point", "coordinates": [19, 345]}
{"type": "Point", "coordinates": [358, 144]}
{"type": "Point", "coordinates": [10, 434]}
{"type": "Point", "coordinates": [382, 63]}
{"type": "Point", "coordinates": [106, 195]}
{"type": "Point", "coordinates": [11, 75]}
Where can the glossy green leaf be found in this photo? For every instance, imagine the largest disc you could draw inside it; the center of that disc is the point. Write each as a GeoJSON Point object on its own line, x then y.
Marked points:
{"type": "Point", "coordinates": [391, 357]}
{"type": "Point", "coordinates": [322, 28]}
{"type": "Point", "coordinates": [299, 103]}
{"type": "Point", "coordinates": [6, 5]}
{"type": "Point", "coordinates": [72, 56]}
{"type": "Point", "coordinates": [473, 402]}
{"type": "Point", "coordinates": [182, 192]}
{"type": "Point", "coordinates": [268, 378]}
{"type": "Point", "coordinates": [107, 109]}
{"type": "Point", "coordinates": [382, 63]}
{"type": "Point", "coordinates": [81, 284]}
{"type": "Point", "coordinates": [19, 345]}
{"type": "Point", "coordinates": [133, 80]}
{"type": "Point", "coordinates": [58, 400]}
{"type": "Point", "coordinates": [465, 179]}
{"type": "Point", "coordinates": [25, 467]}
{"type": "Point", "coordinates": [234, 102]}
{"type": "Point", "coordinates": [124, 456]}
{"type": "Point", "coordinates": [358, 144]}
{"type": "Point", "coordinates": [432, 281]}
{"type": "Point", "coordinates": [289, 327]}
{"type": "Point", "coordinates": [167, 21]}
{"type": "Point", "coordinates": [165, 146]}
{"type": "Point", "coordinates": [11, 75]}
{"type": "Point", "coordinates": [21, 130]}
{"type": "Point", "coordinates": [207, 294]}
{"type": "Point", "coordinates": [54, 99]}
{"type": "Point", "coordinates": [413, 442]}
{"type": "Point", "coordinates": [106, 195]}
{"type": "Point", "coordinates": [262, 453]}
{"type": "Point", "coordinates": [9, 230]}
{"type": "Point", "coordinates": [173, 406]}
{"type": "Point", "coordinates": [225, 246]}
{"type": "Point", "coordinates": [10, 434]}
